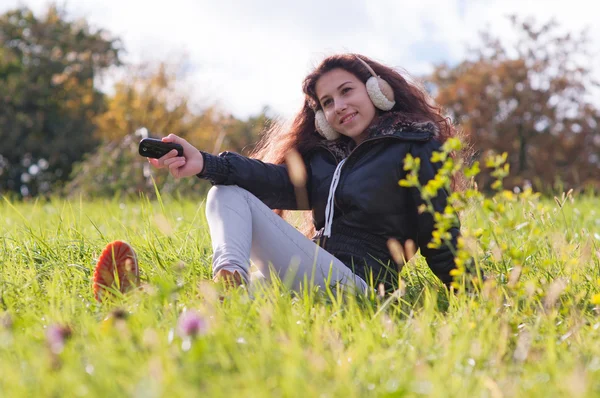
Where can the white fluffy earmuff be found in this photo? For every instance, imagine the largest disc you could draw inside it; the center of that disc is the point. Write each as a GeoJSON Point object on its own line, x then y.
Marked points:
{"type": "Point", "coordinates": [324, 128]}
{"type": "Point", "coordinates": [380, 91]}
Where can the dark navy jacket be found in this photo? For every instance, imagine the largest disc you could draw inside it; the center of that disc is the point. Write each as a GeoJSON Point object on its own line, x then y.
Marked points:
{"type": "Point", "coordinates": [370, 205]}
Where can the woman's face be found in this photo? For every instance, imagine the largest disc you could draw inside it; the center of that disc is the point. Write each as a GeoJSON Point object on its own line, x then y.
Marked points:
{"type": "Point", "coordinates": [346, 104]}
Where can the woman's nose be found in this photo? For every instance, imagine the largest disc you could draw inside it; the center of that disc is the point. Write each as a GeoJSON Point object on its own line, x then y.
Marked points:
{"type": "Point", "coordinates": [340, 106]}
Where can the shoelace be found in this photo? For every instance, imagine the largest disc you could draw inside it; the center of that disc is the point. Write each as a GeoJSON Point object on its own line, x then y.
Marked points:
{"type": "Point", "coordinates": [330, 206]}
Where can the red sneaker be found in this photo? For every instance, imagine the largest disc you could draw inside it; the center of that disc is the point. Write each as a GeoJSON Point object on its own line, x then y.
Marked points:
{"type": "Point", "coordinates": [121, 256]}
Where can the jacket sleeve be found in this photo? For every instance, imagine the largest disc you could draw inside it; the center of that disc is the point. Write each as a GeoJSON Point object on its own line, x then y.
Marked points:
{"type": "Point", "coordinates": [441, 261]}
{"type": "Point", "coordinates": [268, 182]}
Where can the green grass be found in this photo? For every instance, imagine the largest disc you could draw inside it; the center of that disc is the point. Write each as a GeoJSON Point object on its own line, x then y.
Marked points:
{"type": "Point", "coordinates": [533, 333]}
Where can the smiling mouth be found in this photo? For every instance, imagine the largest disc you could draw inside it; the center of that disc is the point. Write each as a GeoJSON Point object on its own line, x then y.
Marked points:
{"type": "Point", "coordinates": [347, 118]}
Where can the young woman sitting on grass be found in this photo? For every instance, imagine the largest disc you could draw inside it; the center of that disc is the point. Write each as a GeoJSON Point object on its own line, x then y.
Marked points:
{"type": "Point", "coordinates": [360, 119]}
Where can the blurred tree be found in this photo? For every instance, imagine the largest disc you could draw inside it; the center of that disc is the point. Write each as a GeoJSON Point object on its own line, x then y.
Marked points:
{"type": "Point", "coordinates": [115, 170]}
{"type": "Point", "coordinates": [531, 100]}
{"type": "Point", "coordinates": [151, 96]}
{"type": "Point", "coordinates": [150, 100]}
{"type": "Point", "coordinates": [47, 96]}
{"type": "Point", "coordinates": [154, 97]}
{"type": "Point", "coordinates": [242, 135]}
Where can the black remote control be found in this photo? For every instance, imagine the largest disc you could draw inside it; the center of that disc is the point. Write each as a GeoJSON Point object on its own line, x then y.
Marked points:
{"type": "Point", "coordinates": [153, 148]}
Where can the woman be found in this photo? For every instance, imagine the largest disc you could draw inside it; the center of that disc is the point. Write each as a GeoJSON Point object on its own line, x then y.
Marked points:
{"type": "Point", "coordinates": [352, 134]}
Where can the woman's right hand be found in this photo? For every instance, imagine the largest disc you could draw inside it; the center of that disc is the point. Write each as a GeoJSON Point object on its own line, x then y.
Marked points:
{"type": "Point", "coordinates": [190, 164]}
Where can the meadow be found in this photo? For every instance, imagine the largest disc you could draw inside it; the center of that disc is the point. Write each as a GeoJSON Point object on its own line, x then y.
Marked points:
{"type": "Point", "coordinates": [532, 329]}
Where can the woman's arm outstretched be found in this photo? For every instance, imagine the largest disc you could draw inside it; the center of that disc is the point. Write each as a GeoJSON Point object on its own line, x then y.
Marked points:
{"type": "Point", "coordinates": [269, 182]}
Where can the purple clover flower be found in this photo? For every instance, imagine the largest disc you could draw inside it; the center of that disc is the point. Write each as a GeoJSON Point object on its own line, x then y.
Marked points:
{"type": "Point", "coordinates": [56, 336]}
{"type": "Point", "coordinates": [191, 324]}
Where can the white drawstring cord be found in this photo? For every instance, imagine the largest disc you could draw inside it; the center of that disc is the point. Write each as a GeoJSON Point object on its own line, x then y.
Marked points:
{"type": "Point", "coordinates": [330, 200]}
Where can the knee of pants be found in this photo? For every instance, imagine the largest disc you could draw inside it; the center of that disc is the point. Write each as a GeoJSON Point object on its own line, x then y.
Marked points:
{"type": "Point", "coordinates": [220, 194]}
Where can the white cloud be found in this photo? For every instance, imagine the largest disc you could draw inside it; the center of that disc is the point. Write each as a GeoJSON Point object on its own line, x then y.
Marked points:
{"type": "Point", "coordinates": [248, 54]}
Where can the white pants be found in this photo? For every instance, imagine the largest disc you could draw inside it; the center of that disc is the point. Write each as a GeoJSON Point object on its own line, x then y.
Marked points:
{"type": "Point", "coordinates": [242, 228]}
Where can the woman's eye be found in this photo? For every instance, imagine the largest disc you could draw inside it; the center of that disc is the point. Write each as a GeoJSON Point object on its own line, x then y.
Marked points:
{"type": "Point", "coordinates": [346, 89]}
{"type": "Point", "coordinates": [326, 102]}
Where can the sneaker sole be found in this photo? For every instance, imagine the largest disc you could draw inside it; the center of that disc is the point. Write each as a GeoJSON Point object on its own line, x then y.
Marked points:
{"type": "Point", "coordinates": [117, 256]}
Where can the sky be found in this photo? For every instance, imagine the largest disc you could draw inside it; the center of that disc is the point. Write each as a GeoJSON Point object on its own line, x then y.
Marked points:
{"type": "Point", "coordinates": [244, 55]}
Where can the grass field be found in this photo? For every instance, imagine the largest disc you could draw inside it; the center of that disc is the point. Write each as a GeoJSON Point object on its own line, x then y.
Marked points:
{"type": "Point", "coordinates": [532, 330]}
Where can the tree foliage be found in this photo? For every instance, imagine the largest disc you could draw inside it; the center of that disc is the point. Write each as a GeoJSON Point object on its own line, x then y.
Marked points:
{"type": "Point", "coordinates": [115, 170]}
{"type": "Point", "coordinates": [531, 100]}
{"type": "Point", "coordinates": [154, 97]}
{"type": "Point", "coordinates": [149, 96]}
{"type": "Point", "coordinates": [242, 135]}
{"type": "Point", "coordinates": [48, 98]}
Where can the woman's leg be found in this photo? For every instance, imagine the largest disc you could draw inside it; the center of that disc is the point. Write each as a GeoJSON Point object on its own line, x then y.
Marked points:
{"type": "Point", "coordinates": [244, 228]}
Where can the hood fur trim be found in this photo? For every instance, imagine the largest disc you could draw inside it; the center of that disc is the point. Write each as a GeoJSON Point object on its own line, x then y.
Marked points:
{"type": "Point", "coordinates": [388, 123]}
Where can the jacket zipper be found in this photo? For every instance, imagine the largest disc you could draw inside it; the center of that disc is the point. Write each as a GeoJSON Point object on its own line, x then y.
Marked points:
{"type": "Point", "coordinates": [335, 203]}
{"type": "Point", "coordinates": [353, 152]}
{"type": "Point", "coordinates": [324, 238]}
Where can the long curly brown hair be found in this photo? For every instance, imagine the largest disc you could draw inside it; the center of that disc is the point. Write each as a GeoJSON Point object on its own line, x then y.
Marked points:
{"type": "Point", "coordinates": [411, 100]}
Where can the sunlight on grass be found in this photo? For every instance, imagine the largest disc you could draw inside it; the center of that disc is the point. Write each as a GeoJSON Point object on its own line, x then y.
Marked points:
{"type": "Point", "coordinates": [533, 327]}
